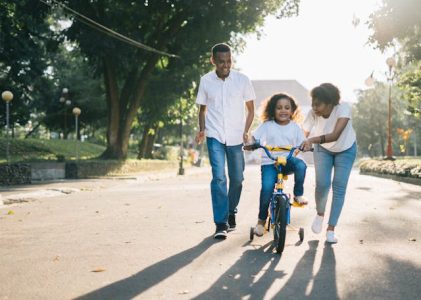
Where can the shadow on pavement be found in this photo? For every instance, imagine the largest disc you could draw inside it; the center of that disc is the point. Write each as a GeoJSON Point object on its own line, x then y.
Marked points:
{"type": "Point", "coordinates": [323, 284]}
{"type": "Point", "coordinates": [133, 286]}
{"type": "Point", "coordinates": [243, 279]}
{"type": "Point", "coordinates": [253, 273]}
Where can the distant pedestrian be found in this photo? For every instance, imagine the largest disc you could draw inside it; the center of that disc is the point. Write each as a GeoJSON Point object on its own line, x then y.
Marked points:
{"type": "Point", "coordinates": [335, 149]}
{"type": "Point", "coordinates": [222, 96]}
{"type": "Point", "coordinates": [279, 129]}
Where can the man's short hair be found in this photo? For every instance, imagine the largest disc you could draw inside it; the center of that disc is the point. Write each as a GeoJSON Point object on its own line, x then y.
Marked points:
{"type": "Point", "coordinates": [221, 47]}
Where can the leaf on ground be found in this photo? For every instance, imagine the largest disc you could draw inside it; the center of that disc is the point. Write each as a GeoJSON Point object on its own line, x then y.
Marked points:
{"type": "Point", "coordinates": [412, 239]}
{"type": "Point", "coordinates": [57, 258]}
{"type": "Point", "coordinates": [10, 212]}
{"type": "Point", "coordinates": [97, 270]}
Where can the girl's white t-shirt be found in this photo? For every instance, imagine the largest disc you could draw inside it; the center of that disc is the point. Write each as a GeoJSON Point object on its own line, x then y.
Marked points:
{"type": "Point", "coordinates": [273, 134]}
{"type": "Point", "coordinates": [318, 125]}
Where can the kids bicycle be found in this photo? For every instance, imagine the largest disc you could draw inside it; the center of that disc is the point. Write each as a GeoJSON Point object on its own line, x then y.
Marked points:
{"type": "Point", "coordinates": [280, 205]}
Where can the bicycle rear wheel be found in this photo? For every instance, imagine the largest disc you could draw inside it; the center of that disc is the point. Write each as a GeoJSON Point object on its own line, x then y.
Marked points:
{"type": "Point", "coordinates": [279, 232]}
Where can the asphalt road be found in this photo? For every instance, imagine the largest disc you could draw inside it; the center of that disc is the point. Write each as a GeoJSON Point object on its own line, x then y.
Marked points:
{"type": "Point", "coordinates": [151, 238]}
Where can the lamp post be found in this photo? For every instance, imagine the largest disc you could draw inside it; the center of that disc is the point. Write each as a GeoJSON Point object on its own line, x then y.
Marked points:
{"type": "Point", "coordinates": [181, 168]}
{"type": "Point", "coordinates": [77, 111]}
{"type": "Point", "coordinates": [7, 97]}
{"type": "Point", "coordinates": [64, 99]}
{"type": "Point", "coordinates": [391, 63]}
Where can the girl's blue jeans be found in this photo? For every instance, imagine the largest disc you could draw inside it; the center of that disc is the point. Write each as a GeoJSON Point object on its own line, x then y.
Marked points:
{"type": "Point", "coordinates": [225, 200]}
{"type": "Point", "coordinates": [270, 176]}
{"type": "Point", "coordinates": [324, 162]}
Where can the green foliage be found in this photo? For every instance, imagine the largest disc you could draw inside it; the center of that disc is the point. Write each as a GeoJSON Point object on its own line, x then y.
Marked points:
{"type": "Point", "coordinates": [40, 150]}
{"type": "Point", "coordinates": [25, 44]}
{"type": "Point", "coordinates": [70, 69]}
{"type": "Point", "coordinates": [410, 83]}
{"type": "Point", "coordinates": [370, 117]}
{"type": "Point", "coordinates": [186, 28]}
{"type": "Point", "coordinates": [399, 20]}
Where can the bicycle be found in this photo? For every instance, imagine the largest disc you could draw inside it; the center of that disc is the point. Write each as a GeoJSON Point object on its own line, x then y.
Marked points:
{"type": "Point", "coordinates": [280, 205]}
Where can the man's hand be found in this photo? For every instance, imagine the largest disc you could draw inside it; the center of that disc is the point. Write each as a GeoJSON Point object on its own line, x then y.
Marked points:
{"type": "Point", "coordinates": [245, 138]}
{"type": "Point", "coordinates": [200, 137]}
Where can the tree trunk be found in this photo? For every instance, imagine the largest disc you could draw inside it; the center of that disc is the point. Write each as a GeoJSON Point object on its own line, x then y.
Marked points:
{"type": "Point", "coordinates": [147, 142]}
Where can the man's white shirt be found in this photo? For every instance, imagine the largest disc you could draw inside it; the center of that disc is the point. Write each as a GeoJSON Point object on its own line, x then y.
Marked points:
{"type": "Point", "coordinates": [225, 99]}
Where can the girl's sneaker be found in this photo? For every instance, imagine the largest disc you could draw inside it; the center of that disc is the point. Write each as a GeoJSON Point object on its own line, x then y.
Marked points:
{"type": "Point", "coordinates": [260, 228]}
{"type": "Point", "coordinates": [330, 237]}
{"type": "Point", "coordinates": [301, 200]}
{"type": "Point", "coordinates": [317, 224]}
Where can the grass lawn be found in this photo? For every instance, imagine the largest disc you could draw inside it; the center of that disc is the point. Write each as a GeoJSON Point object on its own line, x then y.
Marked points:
{"type": "Point", "coordinates": [32, 150]}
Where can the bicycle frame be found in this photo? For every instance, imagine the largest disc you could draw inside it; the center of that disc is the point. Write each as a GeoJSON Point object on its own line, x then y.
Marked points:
{"type": "Point", "coordinates": [280, 163]}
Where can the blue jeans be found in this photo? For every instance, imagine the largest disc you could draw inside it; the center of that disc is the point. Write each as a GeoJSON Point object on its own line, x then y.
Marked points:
{"type": "Point", "coordinates": [225, 201]}
{"type": "Point", "coordinates": [270, 176]}
{"type": "Point", "coordinates": [341, 163]}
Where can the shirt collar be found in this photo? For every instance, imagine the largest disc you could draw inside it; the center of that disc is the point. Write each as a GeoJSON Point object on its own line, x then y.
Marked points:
{"type": "Point", "coordinates": [215, 76]}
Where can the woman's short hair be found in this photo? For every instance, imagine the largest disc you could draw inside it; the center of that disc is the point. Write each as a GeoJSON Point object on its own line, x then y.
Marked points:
{"type": "Point", "coordinates": [326, 93]}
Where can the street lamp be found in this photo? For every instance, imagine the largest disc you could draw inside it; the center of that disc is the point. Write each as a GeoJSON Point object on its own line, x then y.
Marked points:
{"type": "Point", "coordinates": [64, 99]}
{"type": "Point", "coordinates": [7, 97]}
{"type": "Point", "coordinates": [181, 169]}
{"type": "Point", "coordinates": [76, 111]}
{"type": "Point", "coordinates": [391, 63]}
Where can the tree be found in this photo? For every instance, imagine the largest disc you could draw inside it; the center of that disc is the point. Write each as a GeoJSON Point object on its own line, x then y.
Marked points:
{"type": "Point", "coordinates": [25, 43]}
{"type": "Point", "coordinates": [410, 83]}
{"type": "Point", "coordinates": [401, 21]}
{"type": "Point", "coordinates": [370, 119]}
{"type": "Point", "coordinates": [69, 69]}
{"type": "Point", "coordinates": [185, 27]}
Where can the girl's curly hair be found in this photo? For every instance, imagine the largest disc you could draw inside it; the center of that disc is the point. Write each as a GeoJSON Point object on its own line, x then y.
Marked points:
{"type": "Point", "coordinates": [269, 107]}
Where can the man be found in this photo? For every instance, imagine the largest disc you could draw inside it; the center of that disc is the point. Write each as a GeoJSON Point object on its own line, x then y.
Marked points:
{"type": "Point", "coordinates": [221, 96]}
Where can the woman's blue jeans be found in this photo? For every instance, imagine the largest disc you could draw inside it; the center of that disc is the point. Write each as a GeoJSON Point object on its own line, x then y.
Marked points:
{"type": "Point", "coordinates": [225, 201]}
{"type": "Point", "coordinates": [324, 162]}
{"type": "Point", "coordinates": [270, 176]}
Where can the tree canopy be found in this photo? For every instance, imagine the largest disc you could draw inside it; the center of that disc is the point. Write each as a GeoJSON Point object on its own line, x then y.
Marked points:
{"type": "Point", "coordinates": [186, 28]}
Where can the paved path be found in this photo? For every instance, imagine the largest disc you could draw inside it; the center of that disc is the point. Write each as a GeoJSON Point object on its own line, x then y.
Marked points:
{"type": "Point", "coordinates": [151, 238]}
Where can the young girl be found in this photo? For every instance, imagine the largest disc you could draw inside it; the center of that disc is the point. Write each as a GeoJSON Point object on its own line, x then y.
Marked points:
{"type": "Point", "coordinates": [279, 129]}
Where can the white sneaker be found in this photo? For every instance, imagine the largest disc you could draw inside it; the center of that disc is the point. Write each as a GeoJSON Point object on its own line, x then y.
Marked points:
{"type": "Point", "coordinates": [317, 224]}
{"type": "Point", "coordinates": [301, 200]}
{"type": "Point", "coordinates": [330, 237]}
{"type": "Point", "coordinates": [259, 230]}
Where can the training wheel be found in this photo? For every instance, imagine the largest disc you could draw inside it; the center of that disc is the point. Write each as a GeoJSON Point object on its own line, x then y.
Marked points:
{"type": "Point", "coordinates": [301, 234]}
{"type": "Point", "coordinates": [251, 233]}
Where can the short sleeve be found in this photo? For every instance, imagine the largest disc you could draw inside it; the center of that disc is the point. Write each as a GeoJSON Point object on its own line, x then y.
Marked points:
{"type": "Point", "coordinates": [299, 136]}
{"type": "Point", "coordinates": [309, 121]}
{"type": "Point", "coordinates": [259, 133]}
{"type": "Point", "coordinates": [249, 93]}
{"type": "Point", "coordinates": [201, 94]}
{"type": "Point", "coordinates": [344, 111]}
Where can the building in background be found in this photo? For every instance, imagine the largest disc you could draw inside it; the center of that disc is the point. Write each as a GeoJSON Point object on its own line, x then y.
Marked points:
{"type": "Point", "coordinates": [266, 88]}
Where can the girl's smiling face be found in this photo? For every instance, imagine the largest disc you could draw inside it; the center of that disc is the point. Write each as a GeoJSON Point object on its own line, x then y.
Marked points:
{"type": "Point", "coordinates": [283, 111]}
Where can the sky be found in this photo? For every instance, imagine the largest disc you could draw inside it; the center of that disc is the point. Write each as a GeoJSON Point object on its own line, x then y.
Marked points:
{"type": "Point", "coordinates": [320, 45]}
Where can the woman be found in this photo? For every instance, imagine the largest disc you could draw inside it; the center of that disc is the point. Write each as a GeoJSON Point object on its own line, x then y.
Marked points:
{"type": "Point", "coordinates": [334, 142]}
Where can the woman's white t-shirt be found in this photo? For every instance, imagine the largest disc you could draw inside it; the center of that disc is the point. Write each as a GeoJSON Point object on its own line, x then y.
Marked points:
{"type": "Point", "coordinates": [273, 134]}
{"type": "Point", "coordinates": [321, 126]}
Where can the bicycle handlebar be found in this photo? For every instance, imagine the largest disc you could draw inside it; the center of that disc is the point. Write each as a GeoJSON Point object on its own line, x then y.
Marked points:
{"type": "Point", "coordinates": [268, 149]}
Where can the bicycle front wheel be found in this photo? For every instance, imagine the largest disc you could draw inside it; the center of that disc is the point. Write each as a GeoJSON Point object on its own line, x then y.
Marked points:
{"type": "Point", "coordinates": [279, 232]}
